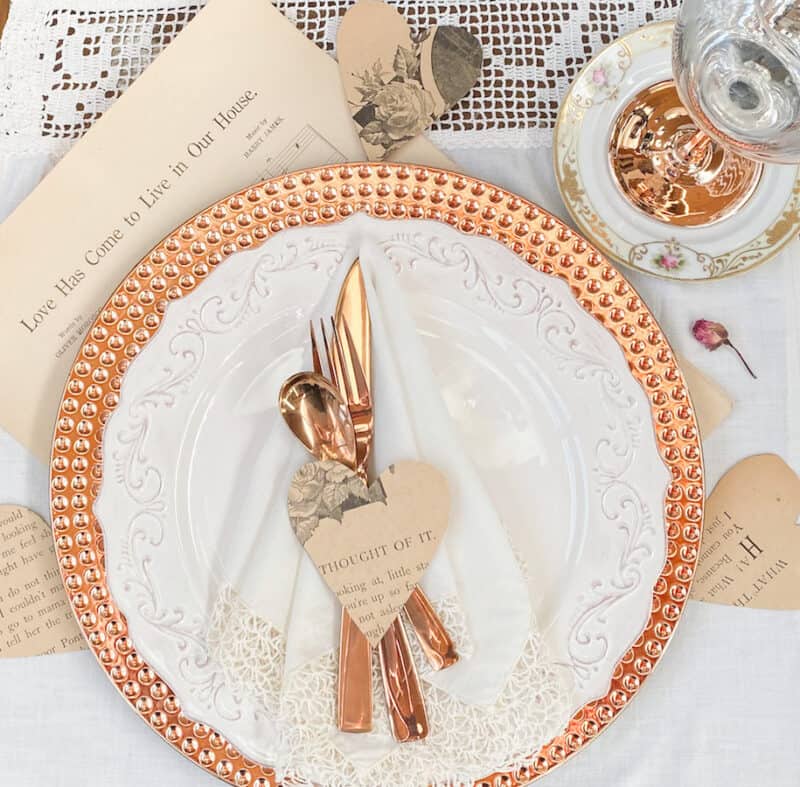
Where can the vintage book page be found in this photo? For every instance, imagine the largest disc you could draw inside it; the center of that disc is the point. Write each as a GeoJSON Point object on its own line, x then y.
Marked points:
{"type": "Point", "coordinates": [241, 95]}
{"type": "Point", "coordinates": [35, 614]}
{"type": "Point", "coordinates": [370, 545]}
{"type": "Point", "coordinates": [750, 555]}
{"type": "Point", "coordinates": [383, 69]}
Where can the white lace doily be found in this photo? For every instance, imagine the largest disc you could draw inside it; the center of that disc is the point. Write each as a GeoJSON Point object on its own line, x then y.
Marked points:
{"type": "Point", "coordinates": [63, 62]}
{"type": "Point", "coordinates": [252, 652]}
{"type": "Point", "coordinates": [463, 737]}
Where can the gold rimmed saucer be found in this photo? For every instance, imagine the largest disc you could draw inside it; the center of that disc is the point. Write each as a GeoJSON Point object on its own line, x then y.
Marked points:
{"type": "Point", "coordinates": [623, 97]}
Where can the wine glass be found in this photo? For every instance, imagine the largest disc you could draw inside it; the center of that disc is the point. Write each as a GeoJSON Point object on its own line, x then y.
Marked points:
{"type": "Point", "coordinates": [691, 152]}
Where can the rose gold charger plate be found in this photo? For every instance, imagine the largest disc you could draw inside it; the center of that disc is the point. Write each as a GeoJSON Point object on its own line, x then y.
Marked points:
{"type": "Point", "coordinates": [321, 196]}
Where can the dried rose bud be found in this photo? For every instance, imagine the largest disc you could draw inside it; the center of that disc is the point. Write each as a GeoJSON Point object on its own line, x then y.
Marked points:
{"type": "Point", "coordinates": [713, 335]}
{"type": "Point", "coordinates": [710, 334]}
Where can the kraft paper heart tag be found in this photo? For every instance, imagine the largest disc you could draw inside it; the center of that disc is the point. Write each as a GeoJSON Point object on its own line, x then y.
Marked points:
{"type": "Point", "coordinates": [750, 553]}
{"type": "Point", "coordinates": [371, 545]}
{"type": "Point", "coordinates": [397, 87]}
{"type": "Point", "coordinates": [35, 616]}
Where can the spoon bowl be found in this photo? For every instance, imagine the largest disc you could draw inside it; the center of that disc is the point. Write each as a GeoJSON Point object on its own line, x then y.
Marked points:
{"type": "Point", "coordinates": [319, 417]}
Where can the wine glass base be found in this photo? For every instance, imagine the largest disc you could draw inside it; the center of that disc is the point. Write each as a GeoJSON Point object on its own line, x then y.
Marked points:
{"type": "Point", "coordinates": [707, 187]}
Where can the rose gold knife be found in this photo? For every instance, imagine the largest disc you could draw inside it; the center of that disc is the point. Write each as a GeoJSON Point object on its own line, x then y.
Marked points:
{"type": "Point", "coordinates": [404, 700]}
{"type": "Point", "coordinates": [354, 328]}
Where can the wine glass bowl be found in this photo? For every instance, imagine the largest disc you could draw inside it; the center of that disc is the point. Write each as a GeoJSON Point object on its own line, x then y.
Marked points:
{"type": "Point", "coordinates": [737, 70]}
{"type": "Point", "coordinates": [690, 152]}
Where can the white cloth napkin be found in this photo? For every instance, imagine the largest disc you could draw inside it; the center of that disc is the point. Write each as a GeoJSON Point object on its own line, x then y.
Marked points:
{"type": "Point", "coordinates": [314, 608]}
{"type": "Point", "coordinates": [412, 422]}
{"type": "Point", "coordinates": [283, 588]}
{"type": "Point", "coordinates": [475, 696]}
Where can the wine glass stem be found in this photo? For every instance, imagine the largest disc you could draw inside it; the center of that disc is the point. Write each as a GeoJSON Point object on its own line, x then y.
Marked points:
{"type": "Point", "coordinates": [691, 151]}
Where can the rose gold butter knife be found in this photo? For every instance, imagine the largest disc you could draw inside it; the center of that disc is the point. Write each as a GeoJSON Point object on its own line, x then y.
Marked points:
{"type": "Point", "coordinates": [354, 328]}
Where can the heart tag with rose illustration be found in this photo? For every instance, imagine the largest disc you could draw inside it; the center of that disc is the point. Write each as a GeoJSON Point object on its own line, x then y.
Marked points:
{"type": "Point", "coordinates": [370, 544]}
{"type": "Point", "coordinates": [397, 87]}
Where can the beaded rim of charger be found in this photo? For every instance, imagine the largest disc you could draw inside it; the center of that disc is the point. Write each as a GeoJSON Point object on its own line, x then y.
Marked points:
{"type": "Point", "coordinates": [326, 195]}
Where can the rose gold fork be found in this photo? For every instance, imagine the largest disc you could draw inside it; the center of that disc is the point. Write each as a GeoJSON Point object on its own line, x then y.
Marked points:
{"type": "Point", "coordinates": [400, 681]}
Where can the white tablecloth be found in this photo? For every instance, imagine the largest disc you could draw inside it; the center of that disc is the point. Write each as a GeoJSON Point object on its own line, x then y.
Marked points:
{"type": "Point", "coordinates": [719, 711]}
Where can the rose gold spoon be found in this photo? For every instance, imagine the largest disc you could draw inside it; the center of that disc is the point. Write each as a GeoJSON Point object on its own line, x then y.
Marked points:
{"type": "Point", "coordinates": [318, 416]}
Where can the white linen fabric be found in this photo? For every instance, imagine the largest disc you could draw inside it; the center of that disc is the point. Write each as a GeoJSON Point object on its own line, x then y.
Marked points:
{"type": "Point", "coordinates": [499, 613]}
{"type": "Point", "coordinates": [719, 709]}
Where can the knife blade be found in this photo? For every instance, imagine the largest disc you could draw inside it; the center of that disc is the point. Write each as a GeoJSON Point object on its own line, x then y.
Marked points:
{"type": "Point", "coordinates": [353, 324]}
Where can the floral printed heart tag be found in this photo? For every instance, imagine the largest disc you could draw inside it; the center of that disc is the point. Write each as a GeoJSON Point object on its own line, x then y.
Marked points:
{"type": "Point", "coordinates": [397, 87]}
{"type": "Point", "coordinates": [370, 544]}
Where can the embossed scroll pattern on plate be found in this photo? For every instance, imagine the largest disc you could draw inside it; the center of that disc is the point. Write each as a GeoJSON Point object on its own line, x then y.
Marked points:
{"type": "Point", "coordinates": [323, 196]}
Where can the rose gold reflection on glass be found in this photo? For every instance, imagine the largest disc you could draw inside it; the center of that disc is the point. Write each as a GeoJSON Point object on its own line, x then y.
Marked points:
{"type": "Point", "coordinates": [671, 171]}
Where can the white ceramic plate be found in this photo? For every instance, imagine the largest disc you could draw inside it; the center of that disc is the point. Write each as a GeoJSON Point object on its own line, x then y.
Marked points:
{"type": "Point", "coordinates": [548, 411]}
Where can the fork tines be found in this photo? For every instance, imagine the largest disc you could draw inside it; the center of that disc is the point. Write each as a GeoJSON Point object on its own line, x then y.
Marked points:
{"type": "Point", "coordinates": [315, 359]}
{"type": "Point", "coordinates": [333, 356]}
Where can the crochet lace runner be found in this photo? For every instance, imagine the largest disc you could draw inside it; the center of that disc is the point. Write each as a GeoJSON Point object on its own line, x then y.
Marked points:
{"type": "Point", "coordinates": [63, 63]}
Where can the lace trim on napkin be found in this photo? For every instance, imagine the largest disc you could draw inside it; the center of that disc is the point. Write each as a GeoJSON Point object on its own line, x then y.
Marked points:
{"type": "Point", "coordinates": [252, 651]}
{"type": "Point", "coordinates": [532, 708]}
{"type": "Point", "coordinates": [464, 739]}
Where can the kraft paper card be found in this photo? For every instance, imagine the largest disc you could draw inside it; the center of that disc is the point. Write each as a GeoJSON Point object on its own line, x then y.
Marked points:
{"type": "Point", "coordinates": [750, 554]}
{"type": "Point", "coordinates": [240, 95]}
{"type": "Point", "coordinates": [711, 404]}
{"type": "Point", "coordinates": [396, 86]}
{"type": "Point", "coordinates": [371, 545]}
{"type": "Point", "coordinates": [35, 615]}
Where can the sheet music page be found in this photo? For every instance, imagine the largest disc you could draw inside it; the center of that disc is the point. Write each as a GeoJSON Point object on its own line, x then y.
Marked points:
{"type": "Point", "coordinates": [239, 96]}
